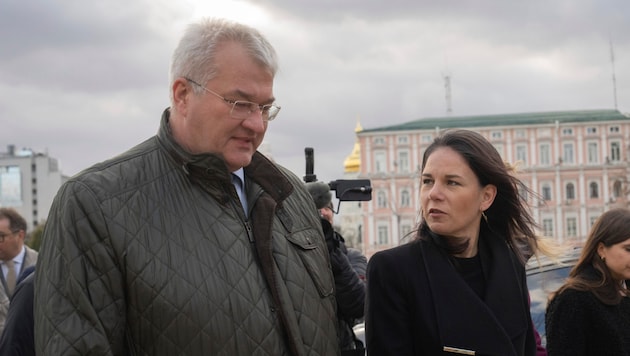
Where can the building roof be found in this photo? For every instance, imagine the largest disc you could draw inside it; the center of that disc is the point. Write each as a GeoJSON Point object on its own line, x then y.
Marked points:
{"type": "Point", "coordinates": [506, 120]}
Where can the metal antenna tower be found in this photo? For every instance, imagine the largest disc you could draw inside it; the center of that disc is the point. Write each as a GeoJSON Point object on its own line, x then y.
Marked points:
{"type": "Point", "coordinates": [614, 80]}
{"type": "Point", "coordinates": [447, 89]}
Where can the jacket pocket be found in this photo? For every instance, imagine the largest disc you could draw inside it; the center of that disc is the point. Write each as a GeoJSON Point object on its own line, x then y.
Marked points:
{"type": "Point", "coordinates": [315, 259]}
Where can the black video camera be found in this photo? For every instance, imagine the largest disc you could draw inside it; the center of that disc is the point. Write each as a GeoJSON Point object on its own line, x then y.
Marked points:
{"type": "Point", "coordinates": [345, 189]}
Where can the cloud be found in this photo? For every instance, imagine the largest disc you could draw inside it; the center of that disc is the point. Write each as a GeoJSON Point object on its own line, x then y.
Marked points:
{"type": "Point", "coordinates": [87, 80]}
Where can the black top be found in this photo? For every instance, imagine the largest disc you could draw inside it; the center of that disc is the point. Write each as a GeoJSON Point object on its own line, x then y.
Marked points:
{"type": "Point", "coordinates": [471, 272]}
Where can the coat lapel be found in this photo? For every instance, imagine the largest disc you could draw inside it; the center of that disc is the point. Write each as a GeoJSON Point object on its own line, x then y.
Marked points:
{"type": "Point", "coordinates": [465, 321]}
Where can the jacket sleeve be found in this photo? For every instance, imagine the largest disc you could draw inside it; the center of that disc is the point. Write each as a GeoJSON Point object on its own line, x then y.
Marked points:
{"type": "Point", "coordinates": [565, 324]}
{"type": "Point", "coordinates": [388, 328]}
{"type": "Point", "coordinates": [79, 301]}
{"type": "Point", "coordinates": [349, 288]}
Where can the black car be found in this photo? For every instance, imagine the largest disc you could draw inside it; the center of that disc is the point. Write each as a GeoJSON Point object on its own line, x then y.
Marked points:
{"type": "Point", "coordinates": [544, 277]}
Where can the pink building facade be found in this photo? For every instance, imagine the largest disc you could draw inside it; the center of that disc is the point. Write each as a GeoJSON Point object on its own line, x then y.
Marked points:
{"type": "Point", "coordinates": [576, 162]}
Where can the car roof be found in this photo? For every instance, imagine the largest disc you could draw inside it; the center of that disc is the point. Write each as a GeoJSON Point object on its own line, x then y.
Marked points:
{"type": "Point", "coordinates": [543, 263]}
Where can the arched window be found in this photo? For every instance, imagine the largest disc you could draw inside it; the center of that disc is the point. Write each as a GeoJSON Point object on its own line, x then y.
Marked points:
{"type": "Point", "coordinates": [405, 200]}
{"type": "Point", "coordinates": [570, 191]}
{"type": "Point", "coordinates": [546, 191]}
{"type": "Point", "coordinates": [593, 190]}
{"type": "Point", "coordinates": [617, 189]}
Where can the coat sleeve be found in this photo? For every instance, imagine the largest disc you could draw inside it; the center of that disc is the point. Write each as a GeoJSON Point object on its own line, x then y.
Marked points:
{"type": "Point", "coordinates": [79, 301]}
{"type": "Point", "coordinates": [349, 288]}
{"type": "Point", "coordinates": [387, 320]}
{"type": "Point", "coordinates": [565, 322]}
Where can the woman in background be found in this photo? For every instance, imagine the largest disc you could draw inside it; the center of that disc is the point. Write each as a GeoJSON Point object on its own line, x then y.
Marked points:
{"type": "Point", "coordinates": [459, 287]}
{"type": "Point", "coordinates": [590, 313]}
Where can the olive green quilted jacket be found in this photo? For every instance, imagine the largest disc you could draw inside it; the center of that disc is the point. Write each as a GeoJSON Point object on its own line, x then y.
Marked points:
{"type": "Point", "coordinates": [149, 253]}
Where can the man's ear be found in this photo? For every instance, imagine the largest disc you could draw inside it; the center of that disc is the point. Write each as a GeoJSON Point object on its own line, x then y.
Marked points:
{"type": "Point", "coordinates": [181, 93]}
{"type": "Point", "coordinates": [488, 194]}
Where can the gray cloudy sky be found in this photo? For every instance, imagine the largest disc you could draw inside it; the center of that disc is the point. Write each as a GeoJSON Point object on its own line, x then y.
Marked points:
{"type": "Point", "coordinates": [85, 80]}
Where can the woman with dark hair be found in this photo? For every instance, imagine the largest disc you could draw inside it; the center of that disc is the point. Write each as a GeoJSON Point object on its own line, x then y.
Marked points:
{"type": "Point", "coordinates": [459, 287]}
{"type": "Point", "coordinates": [590, 313]}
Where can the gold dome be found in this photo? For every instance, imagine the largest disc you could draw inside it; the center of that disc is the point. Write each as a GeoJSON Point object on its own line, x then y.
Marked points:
{"type": "Point", "coordinates": [352, 164]}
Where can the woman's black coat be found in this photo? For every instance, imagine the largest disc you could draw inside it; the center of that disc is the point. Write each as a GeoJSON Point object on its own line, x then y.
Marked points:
{"type": "Point", "coordinates": [418, 304]}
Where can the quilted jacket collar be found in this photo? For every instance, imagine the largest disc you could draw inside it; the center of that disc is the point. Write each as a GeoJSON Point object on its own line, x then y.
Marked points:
{"type": "Point", "coordinates": [211, 172]}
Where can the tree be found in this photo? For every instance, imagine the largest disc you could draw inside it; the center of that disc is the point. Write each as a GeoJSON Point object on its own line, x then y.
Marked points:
{"type": "Point", "coordinates": [34, 239]}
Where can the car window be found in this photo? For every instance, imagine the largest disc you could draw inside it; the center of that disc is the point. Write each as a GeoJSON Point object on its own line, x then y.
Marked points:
{"type": "Point", "coordinates": [541, 285]}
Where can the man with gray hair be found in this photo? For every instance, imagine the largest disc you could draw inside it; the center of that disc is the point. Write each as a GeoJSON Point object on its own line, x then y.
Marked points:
{"type": "Point", "coordinates": [192, 242]}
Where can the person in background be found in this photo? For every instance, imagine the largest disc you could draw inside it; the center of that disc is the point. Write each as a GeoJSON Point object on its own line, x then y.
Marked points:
{"type": "Point", "coordinates": [358, 261]}
{"type": "Point", "coordinates": [349, 287]}
{"type": "Point", "coordinates": [14, 255]}
{"type": "Point", "coordinates": [192, 242]}
{"type": "Point", "coordinates": [459, 287]}
{"type": "Point", "coordinates": [17, 338]}
{"type": "Point", "coordinates": [590, 313]}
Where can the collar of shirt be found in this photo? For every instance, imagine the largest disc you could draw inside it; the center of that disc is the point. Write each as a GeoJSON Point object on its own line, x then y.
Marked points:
{"type": "Point", "coordinates": [18, 260]}
{"type": "Point", "coordinates": [241, 174]}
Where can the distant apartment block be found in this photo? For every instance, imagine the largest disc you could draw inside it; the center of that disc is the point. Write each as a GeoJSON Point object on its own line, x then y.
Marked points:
{"type": "Point", "coordinates": [576, 162]}
{"type": "Point", "coordinates": [28, 183]}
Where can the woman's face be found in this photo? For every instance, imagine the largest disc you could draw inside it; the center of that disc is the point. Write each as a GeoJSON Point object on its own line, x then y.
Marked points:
{"type": "Point", "coordinates": [617, 259]}
{"type": "Point", "coordinates": [451, 196]}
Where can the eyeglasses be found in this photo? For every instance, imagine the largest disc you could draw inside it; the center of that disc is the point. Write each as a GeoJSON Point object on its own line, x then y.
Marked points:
{"type": "Point", "coordinates": [242, 109]}
{"type": "Point", "coordinates": [4, 235]}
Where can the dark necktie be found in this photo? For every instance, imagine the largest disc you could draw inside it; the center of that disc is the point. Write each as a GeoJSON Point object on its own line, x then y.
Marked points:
{"type": "Point", "coordinates": [238, 184]}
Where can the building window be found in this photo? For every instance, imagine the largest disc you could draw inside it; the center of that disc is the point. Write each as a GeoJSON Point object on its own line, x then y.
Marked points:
{"type": "Point", "coordinates": [591, 130]}
{"type": "Point", "coordinates": [567, 131]}
{"type": "Point", "coordinates": [403, 161]}
{"type": "Point", "coordinates": [544, 132]}
{"type": "Point", "coordinates": [405, 198]}
{"type": "Point", "coordinates": [521, 134]}
{"type": "Point", "coordinates": [547, 227]}
{"type": "Point", "coordinates": [571, 227]}
{"type": "Point", "coordinates": [546, 191]}
{"type": "Point", "coordinates": [383, 235]}
{"type": "Point", "coordinates": [521, 153]}
{"type": "Point", "coordinates": [496, 135]}
{"type": "Point", "coordinates": [570, 191]}
{"type": "Point", "coordinates": [379, 161]}
{"type": "Point", "coordinates": [593, 190]}
{"type": "Point", "coordinates": [593, 152]}
{"type": "Point", "coordinates": [379, 141]}
{"type": "Point", "coordinates": [499, 148]}
{"type": "Point", "coordinates": [426, 138]}
{"type": "Point", "coordinates": [381, 199]}
{"type": "Point", "coordinates": [613, 129]}
{"type": "Point", "coordinates": [593, 219]}
{"type": "Point", "coordinates": [405, 230]}
{"type": "Point", "coordinates": [545, 154]}
{"type": "Point", "coordinates": [522, 192]}
{"type": "Point", "coordinates": [615, 151]}
{"type": "Point", "coordinates": [567, 156]}
{"type": "Point", "coordinates": [403, 140]}
{"type": "Point", "coordinates": [617, 189]}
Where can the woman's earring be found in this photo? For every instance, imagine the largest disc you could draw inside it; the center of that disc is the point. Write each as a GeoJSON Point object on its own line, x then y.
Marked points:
{"type": "Point", "coordinates": [603, 258]}
{"type": "Point", "coordinates": [485, 217]}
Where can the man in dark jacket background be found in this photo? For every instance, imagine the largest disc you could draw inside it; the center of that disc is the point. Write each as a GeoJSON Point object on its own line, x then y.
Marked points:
{"type": "Point", "coordinates": [192, 242]}
{"type": "Point", "coordinates": [349, 286]}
